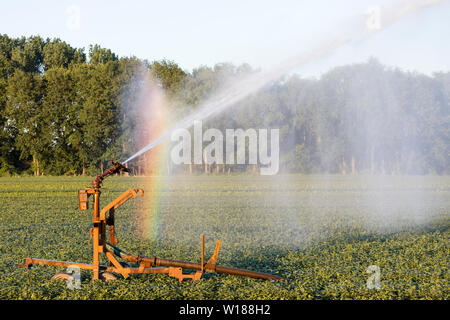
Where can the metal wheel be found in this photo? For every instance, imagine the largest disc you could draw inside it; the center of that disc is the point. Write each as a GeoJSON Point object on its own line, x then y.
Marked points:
{"type": "Point", "coordinates": [107, 276]}
{"type": "Point", "coordinates": [63, 276]}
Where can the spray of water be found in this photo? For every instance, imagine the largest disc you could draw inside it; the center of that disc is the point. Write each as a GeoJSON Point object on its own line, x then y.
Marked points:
{"type": "Point", "coordinates": [357, 29]}
{"type": "Point", "coordinates": [299, 213]}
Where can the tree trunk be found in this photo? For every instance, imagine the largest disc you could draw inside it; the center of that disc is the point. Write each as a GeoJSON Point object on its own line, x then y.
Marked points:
{"type": "Point", "coordinates": [138, 169]}
{"type": "Point", "coordinates": [353, 165]}
{"type": "Point", "coordinates": [37, 167]}
{"type": "Point", "coordinates": [205, 161]}
{"type": "Point", "coordinates": [344, 167]}
{"type": "Point", "coordinates": [372, 160]}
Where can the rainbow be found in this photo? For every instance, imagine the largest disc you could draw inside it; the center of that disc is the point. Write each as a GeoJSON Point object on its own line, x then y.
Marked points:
{"type": "Point", "coordinates": [152, 122]}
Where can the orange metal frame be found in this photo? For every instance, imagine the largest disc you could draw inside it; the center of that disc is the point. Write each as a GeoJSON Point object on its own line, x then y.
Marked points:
{"type": "Point", "coordinates": [105, 217]}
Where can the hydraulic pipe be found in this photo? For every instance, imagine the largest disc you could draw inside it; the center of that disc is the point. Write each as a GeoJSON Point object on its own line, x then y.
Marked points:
{"type": "Point", "coordinates": [218, 269]}
{"type": "Point", "coordinates": [116, 168]}
{"type": "Point", "coordinates": [191, 265]}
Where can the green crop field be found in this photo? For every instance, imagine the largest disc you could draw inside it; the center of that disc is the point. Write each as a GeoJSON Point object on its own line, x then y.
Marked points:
{"type": "Point", "coordinates": [320, 232]}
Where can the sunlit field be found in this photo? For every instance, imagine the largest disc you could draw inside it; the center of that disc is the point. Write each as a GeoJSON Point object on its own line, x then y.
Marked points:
{"type": "Point", "coordinates": [320, 232]}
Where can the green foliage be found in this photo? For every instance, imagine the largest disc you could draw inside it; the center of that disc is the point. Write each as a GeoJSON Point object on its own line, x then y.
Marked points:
{"type": "Point", "coordinates": [6, 169]}
{"type": "Point", "coordinates": [99, 55]}
{"type": "Point", "coordinates": [59, 54]}
{"type": "Point", "coordinates": [320, 232]}
{"type": "Point", "coordinates": [27, 54]}
{"type": "Point", "coordinates": [27, 121]}
{"type": "Point", "coordinates": [298, 160]}
{"type": "Point", "coordinates": [63, 113]}
{"type": "Point", "coordinates": [170, 75]}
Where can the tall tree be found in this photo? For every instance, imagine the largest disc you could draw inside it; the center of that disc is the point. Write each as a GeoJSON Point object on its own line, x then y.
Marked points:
{"type": "Point", "coordinates": [28, 55]}
{"type": "Point", "coordinates": [96, 97]}
{"type": "Point", "coordinates": [63, 115]}
{"type": "Point", "coordinates": [58, 53]}
{"type": "Point", "coordinates": [170, 75]}
{"type": "Point", "coordinates": [99, 55]}
{"type": "Point", "coordinates": [27, 121]}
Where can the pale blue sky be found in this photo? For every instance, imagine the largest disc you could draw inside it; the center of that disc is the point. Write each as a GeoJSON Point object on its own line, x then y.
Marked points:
{"type": "Point", "coordinates": [262, 33]}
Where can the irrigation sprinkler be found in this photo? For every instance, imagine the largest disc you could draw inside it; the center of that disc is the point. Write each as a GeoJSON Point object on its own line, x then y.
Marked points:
{"type": "Point", "coordinates": [131, 264]}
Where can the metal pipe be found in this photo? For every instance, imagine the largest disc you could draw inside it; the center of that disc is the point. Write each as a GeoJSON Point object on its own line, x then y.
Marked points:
{"type": "Point", "coordinates": [218, 269]}
{"type": "Point", "coordinates": [154, 261]}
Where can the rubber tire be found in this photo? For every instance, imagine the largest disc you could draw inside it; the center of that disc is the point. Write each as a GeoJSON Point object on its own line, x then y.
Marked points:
{"type": "Point", "coordinates": [64, 276]}
{"type": "Point", "coordinates": [107, 276]}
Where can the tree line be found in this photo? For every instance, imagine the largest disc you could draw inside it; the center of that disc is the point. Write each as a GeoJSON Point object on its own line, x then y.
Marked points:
{"type": "Point", "coordinates": [62, 112]}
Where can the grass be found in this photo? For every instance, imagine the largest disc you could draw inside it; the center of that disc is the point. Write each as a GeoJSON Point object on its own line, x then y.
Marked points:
{"type": "Point", "coordinates": [320, 232]}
